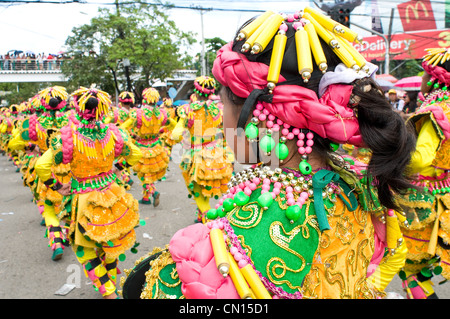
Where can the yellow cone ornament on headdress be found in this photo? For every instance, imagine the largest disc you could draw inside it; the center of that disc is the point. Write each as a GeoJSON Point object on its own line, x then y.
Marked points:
{"type": "Point", "coordinates": [437, 56]}
{"type": "Point", "coordinates": [309, 25]}
{"type": "Point", "coordinates": [83, 94]}
{"type": "Point", "coordinates": [204, 85]}
{"type": "Point", "coordinates": [53, 91]}
{"type": "Point", "coordinates": [126, 95]}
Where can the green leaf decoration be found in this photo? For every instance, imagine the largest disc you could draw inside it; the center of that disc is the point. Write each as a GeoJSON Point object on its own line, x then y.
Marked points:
{"type": "Point", "coordinates": [413, 284]}
{"type": "Point", "coordinates": [426, 272]}
{"type": "Point", "coordinates": [58, 157]}
{"type": "Point", "coordinates": [437, 270]}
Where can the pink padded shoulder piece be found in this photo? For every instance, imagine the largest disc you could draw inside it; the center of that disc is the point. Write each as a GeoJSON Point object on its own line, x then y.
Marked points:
{"type": "Point", "coordinates": [193, 254]}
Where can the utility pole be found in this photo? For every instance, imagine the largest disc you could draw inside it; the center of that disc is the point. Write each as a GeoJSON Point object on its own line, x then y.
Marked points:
{"type": "Point", "coordinates": [203, 44]}
{"type": "Point", "coordinates": [126, 62]}
{"type": "Point", "coordinates": [203, 53]}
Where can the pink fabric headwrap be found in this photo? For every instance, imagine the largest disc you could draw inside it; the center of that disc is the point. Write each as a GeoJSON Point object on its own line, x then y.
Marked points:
{"type": "Point", "coordinates": [329, 116]}
{"type": "Point", "coordinates": [437, 73]}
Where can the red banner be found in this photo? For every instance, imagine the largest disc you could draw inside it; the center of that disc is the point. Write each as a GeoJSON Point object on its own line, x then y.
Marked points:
{"type": "Point", "coordinates": [403, 45]}
{"type": "Point", "coordinates": [416, 15]}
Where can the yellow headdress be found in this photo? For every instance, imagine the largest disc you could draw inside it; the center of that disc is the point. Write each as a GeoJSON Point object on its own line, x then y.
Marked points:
{"type": "Point", "coordinates": [82, 95]}
{"type": "Point", "coordinates": [309, 26]}
{"type": "Point", "coordinates": [433, 63]}
{"type": "Point", "coordinates": [150, 95]}
{"type": "Point", "coordinates": [126, 97]}
{"type": "Point", "coordinates": [437, 56]}
{"type": "Point", "coordinates": [54, 91]}
{"type": "Point", "coordinates": [204, 85]}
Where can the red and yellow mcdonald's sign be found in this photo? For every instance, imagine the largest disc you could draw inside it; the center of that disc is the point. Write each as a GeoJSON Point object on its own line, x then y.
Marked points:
{"type": "Point", "coordinates": [416, 15]}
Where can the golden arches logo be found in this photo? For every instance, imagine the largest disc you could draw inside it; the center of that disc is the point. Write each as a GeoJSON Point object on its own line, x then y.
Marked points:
{"type": "Point", "coordinates": [415, 10]}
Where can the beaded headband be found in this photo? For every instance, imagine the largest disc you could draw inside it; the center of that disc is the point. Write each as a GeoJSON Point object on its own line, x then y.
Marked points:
{"type": "Point", "coordinates": [432, 63]}
{"type": "Point", "coordinates": [150, 95]}
{"type": "Point", "coordinates": [126, 97]}
{"type": "Point", "coordinates": [83, 94]}
{"type": "Point", "coordinates": [309, 25]}
{"type": "Point", "coordinates": [55, 91]}
{"type": "Point", "coordinates": [204, 85]}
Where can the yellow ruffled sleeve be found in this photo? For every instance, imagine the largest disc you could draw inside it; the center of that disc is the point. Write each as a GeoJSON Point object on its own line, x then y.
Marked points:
{"type": "Point", "coordinates": [127, 124]}
{"type": "Point", "coordinates": [17, 143]}
{"type": "Point", "coordinates": [44, 164]}
{"type": "Point", "coordinates": [3, 127]}
{"type": "Point", "coordinates": [134, 156]}
{"type": "Point", "coordinates": [426, 146]}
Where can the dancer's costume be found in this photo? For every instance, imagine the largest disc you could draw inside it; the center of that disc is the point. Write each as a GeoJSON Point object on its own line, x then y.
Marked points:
{"type": "Point", "coordinates": [428, 210]}
{"type": "Point", "coordinates": [30, 153]}
{"type": "Point", "coordinates": [282, 232]}
{"type": "Point", "coordinates": [166, 131]}
{"type": "Point", "coordinates": [205, 163]}
{"type": "Point", "coordinates": [118, 115]}
{"type": "Point", "coordinates": [145, 124]}
{"type": "Point", "coordinates": [102, 215]}
{"type": "Point", "coordinates": [38, 131]}
{"type": "Point", "coordinates": [6, 130]}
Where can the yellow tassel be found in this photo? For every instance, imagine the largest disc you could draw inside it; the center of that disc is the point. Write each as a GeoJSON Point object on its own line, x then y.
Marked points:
{"type": "Point", "coordinates": [393, 232]}
{"type": "Point", "coordinates": [251, 39]}
{"type": "Point", "coordinates": [357, 57]}
{"type": "Point", "coordinates": [344, 55]}
{"type": "Point", "coordinates": [316, 47]}
{"type": "Point", "coordinates": [248, 30]}
{"type": "Point", "coordinates": [255, 283]}
{"type": "Point", "coordinates": [350, 35]}
{"type": "Point", "coordinates": [304, 59]}
{"type": "Point", "coordinates": [434, 58]}
{"type": "Point", "coordinates": [269, 30]}
{"type": "Point", "coordinates": [438, 60]}
{"type": "Point", "coordinates": [326, 22]}
{"type": "Point", "coordinates": [322, 32]}
{"type": "Point", "coordinates": [220, 251]}
{"type": "Point", "coordinates": [432, 244]}
{"type": "Point", "coordinates": [277, 57]}
{"type": "Point", "coordinates": [445, 57]}
{"type": "Point", "coordinates": [239, 282]}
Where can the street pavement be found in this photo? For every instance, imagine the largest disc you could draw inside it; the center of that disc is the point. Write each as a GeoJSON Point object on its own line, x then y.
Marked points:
{"type": "Point", "coordinates": [26, 268]}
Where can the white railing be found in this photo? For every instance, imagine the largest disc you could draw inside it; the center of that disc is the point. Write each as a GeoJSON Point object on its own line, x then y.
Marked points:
{"type": "Point", "coordinates": [24, 64]}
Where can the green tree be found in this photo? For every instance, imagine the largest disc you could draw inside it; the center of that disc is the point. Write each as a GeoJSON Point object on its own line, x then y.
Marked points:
{"type": "Point", "coordinates": [136, 32]}
{"type": "Point", "coordinates": [21, 92]}
{"type": "Point", "coordinates": [406, 68]}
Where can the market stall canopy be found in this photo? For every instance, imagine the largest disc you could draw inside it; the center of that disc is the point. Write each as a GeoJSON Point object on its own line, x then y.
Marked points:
{"type": "Point", "coordinates": [386, 77]}
{"type": "Point", "coordinates": [384, 84]}
{"type": "Point", "coordinates": [411, 83]}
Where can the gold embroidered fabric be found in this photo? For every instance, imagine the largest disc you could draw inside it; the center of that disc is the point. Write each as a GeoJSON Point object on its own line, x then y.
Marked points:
{"type": "Point", "coordinates": [340, 264]}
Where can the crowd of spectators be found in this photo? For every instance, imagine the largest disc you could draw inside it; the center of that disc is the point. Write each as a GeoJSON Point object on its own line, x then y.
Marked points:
{"type": "Point", "coordinates": [29, 61]}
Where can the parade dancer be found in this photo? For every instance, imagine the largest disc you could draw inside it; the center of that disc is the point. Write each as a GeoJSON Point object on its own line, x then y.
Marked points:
{"type": "Point", "coordinates": [118, 115]}
{"type": "Point", "coordinates": [37, 130]}
{"type": "Point", "coordinates": [205, 163]}
{"type": "Point", "coordinates": [145, 124]}
{"type": "Point", "coordinates": [427, 209]}
{"type": "Point", "coordinates": [300, 225]}
{"type": "Point", "coordinates": [101, 214]}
